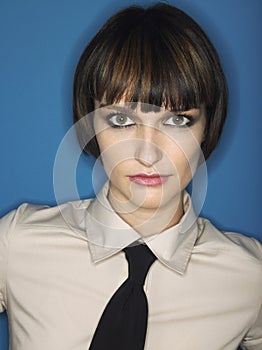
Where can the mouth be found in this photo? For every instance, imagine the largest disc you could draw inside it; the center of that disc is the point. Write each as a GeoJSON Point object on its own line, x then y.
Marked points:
{"type": "Point", "coordinates": [149, 180]}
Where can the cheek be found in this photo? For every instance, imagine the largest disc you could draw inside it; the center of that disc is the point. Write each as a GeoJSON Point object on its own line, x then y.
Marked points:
{"type": "Point", "coordinates": [105, 140]}
{"type": "Point", "coordinates": [115, 156]}
{"type": "Point", "coordinates": [114, 150]}
{"type": "Point", "coordinates": [184, 156]}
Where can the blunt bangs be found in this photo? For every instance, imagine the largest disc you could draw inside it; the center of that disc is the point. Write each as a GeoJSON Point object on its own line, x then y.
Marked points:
{"type": "Point", "coordinates": [156, 55]}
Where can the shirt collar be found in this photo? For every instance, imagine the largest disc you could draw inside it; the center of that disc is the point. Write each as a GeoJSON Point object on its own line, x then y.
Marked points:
{"type": "Point", "coordinates": [108, 234]}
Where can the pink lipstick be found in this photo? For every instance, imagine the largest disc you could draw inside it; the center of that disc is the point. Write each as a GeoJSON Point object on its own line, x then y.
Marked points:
{"type": "Point", "coordinates": [149, 180]}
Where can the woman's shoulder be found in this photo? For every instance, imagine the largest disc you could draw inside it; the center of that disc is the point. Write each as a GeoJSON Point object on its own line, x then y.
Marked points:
{"type": "Point", "coordinates": [234, 243]}
{"type": "Point", "coordinates": [27, 214]}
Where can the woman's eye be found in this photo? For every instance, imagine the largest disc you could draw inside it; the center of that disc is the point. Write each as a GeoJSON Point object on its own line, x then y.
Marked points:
{"type": "Point", "coordinates": [119, 120]}
{"type": "Point", "coordinates": [179, 120]}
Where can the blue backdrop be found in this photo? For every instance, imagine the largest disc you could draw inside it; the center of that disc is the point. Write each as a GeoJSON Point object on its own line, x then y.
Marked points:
{"type": "Point", "coordinates": [40, 44]}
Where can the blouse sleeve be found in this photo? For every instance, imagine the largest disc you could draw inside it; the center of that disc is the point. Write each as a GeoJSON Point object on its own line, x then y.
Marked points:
{"type": "Point", "coordinates": [253, 339]}
{"type": "Point", "coordinates": [5, 225]}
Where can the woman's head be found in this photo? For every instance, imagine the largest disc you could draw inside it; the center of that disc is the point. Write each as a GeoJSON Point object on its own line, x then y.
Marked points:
{"type": "Point", "coordinates": [156, 55]}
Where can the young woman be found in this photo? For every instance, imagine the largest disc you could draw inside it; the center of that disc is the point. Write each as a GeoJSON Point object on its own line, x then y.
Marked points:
{"type": "Point", "coordinates": [150, 103]}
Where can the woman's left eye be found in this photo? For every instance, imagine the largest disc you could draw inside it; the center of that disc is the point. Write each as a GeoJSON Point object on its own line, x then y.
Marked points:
{"type": "Point", "coordinates": [179, 120]}
{"type": "Point", "coordinates": [119, 120]}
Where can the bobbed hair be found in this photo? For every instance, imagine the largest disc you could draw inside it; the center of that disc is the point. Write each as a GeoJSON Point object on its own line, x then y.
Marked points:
{"type": "Point", "coordinates": [156, 55]}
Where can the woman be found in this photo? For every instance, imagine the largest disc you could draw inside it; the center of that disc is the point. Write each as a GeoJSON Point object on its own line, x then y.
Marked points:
{"type": "Point", "coordinates": [150, 103]}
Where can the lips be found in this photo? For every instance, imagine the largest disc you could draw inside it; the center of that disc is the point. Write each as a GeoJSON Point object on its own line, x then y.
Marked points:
{"type": "Point", "coordinates": [149, 180]}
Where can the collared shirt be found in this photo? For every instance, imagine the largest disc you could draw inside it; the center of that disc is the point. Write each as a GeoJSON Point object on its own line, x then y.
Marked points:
{"type": "Point", "coordinates": [59, 266]}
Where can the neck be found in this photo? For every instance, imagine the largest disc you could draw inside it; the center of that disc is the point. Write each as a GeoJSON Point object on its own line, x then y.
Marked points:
{"type": "Point", "coordinates": [149, 221]}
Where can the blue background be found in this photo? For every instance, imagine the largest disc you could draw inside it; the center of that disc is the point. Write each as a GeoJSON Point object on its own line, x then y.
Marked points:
{"type": "Point", "coordinates": [40, 44]}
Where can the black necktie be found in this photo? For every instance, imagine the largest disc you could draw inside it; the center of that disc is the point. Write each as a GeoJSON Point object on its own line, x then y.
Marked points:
{"type": "Point", "coordinates": [123, 323]}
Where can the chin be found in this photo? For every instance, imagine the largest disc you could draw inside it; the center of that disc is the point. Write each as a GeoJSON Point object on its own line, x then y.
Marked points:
{"type": "Point", "coordinates": [156, 200]}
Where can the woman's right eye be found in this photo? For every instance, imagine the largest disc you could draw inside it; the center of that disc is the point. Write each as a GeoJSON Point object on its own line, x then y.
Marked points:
{"type": "Point", "coordinates": [119, 120]}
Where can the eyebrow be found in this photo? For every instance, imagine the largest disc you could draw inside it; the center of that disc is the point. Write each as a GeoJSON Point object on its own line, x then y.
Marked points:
{"type": "Point", "coordinates": [118, 108]}
{"type": "Point", "coordinates": [132, 106]}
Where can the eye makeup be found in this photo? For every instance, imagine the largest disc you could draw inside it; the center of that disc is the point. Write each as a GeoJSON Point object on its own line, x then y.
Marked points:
{"type": "Point", "coordinates": [117, 116]}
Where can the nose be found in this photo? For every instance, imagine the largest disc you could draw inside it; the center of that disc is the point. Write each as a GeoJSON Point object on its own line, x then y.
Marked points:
{"type": "Point", "coordinates": [147, 151]}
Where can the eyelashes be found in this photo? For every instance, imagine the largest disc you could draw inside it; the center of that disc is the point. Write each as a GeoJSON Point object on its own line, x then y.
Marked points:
{"type": "Point", "coordinates": [119, 120]}
{"type": "Point", "coordinates": [122, 120]}
{"type": "Point", "coordinates": [179, 120]}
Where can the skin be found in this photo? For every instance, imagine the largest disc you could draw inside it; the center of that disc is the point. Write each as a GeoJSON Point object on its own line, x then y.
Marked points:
{"type": "Point", "coordinates": [156, 142]}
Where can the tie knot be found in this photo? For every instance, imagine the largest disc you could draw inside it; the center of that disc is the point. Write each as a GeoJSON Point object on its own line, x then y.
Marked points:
{"type": "Point", "coordinates": [139, 258]}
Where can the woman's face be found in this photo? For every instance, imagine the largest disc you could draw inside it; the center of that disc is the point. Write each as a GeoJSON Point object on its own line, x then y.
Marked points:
{"type": "Point", "coordinates": [151, 156]}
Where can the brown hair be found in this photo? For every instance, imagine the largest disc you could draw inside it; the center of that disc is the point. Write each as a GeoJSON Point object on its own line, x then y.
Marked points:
{"type": "Point", "coordinates": [157, 55]}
